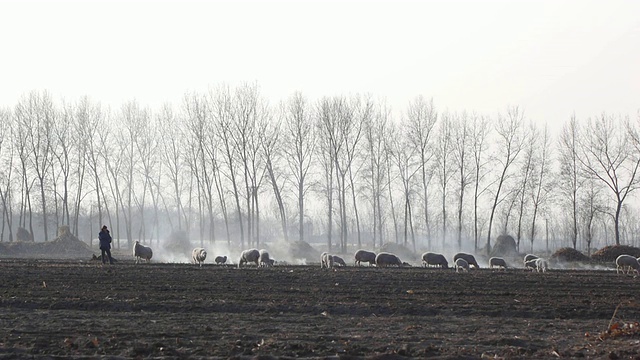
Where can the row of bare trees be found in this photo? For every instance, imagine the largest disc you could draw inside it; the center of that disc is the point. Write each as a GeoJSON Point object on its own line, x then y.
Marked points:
{"type": "Point", "coordinates": [347, 168]}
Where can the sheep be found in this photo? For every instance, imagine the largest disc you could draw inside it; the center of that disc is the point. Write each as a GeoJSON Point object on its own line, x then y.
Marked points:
{"type": "Point", "coordinates": [250, 255]}
{"type": "Point", "coordinates": [198, 255]}
{"type": "Point", "coordinates": [265, 259]}
{"type": "Point", "coordinates": [384, 259]}
{"type": "Point", "coordinates": [531, 264]}
{"type": "Point", "coordinates": [541, 265]}
{"type": "Point", "coordinates": [470, 259]}
{"type": "Point", "coordinates": [221, 259]}
{"type": "Point", "coordinates": [461, 264]}
{"type": "Point", "coordinates": [626, 263]}
{"type": "Point", "coordinates": [142, 252]}
{"type": "Point", "coordinates": [430, 258]}
{"type": "Point", "coordinates": [529, 257]}
{"type": "Point", "coordinates": [365, 256]}
{"type": "Point", "coordinates": [497, 262]}
{"type": "Point", "coordinates": [326, 260]}
{"type": "Point", "coordinates": [337, 260]}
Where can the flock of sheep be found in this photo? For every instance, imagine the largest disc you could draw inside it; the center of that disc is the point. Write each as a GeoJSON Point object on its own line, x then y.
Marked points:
{"type": "Point", "coordinates": [461, 261]}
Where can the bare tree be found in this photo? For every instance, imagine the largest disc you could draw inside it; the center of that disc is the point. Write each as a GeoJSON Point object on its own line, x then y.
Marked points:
{"type": "Point", "coordinates": [541, 184]}
{"type": "Point", "coordinates": [443, 164]}
{"type": "Point", "coordinates": [591, 206]}
{"type": "Point", "coordinates": [524, 175]}
{"type": "Point", "coordinates": [570, 182]}
{"type": "Point", "coordinates": [222, 103]}
{"type": "Point", "coordinates": [376, 131]}
{"type": "Point", "coordinates": [6, 170]}
{"type": "Point", "coordinates": [461, 156]}
{"type": "Point", "coordinates": [172, 154]}
{"type": "Point", "coordinates": [300, 134]}
{"type": "Point", "coordinates": [606, 156]}
{"type": "Point", "coordinates": [510, 143]}
{"type": "Point", "coordinates": [36, 115]}
{"type": "Point", "coordinates": [421, 119]}
{"type": "Point", "coordinates": [327, 147]}
{"type": "Point", "coordinates": [406, 158]}
{"type": "Point", "coordinates": [479, 134]}
{"type": "Point", "coordinates": [249, 110]}
{"type": "Point", "coordinates": [269, 135]}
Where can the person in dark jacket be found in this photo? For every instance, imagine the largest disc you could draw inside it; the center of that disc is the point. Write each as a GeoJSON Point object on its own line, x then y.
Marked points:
{"type": "Point", "coordinates": [105, 244]}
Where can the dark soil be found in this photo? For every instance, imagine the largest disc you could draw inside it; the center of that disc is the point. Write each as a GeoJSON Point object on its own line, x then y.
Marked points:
{"type": "Point", "coordinates": [67, 308]}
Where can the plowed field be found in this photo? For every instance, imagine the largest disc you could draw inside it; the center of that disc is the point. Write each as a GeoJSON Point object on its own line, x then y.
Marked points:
{"type": "Point", "coordinates": [72, 308]}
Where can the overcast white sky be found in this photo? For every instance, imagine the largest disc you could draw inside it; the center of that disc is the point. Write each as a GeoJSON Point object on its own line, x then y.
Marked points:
{"type": "Point", "coordinates": [550, 57]}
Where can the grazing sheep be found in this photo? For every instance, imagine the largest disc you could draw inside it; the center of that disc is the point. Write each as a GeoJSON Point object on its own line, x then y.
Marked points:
{"type": "Point", "coordinates": [142, 252]}
{"type": "Point", "coordinates": [265, 259]}
{"type": "Point", "coordinates": [626, 263]}
{"type": "Point", "coordinates": [470, 259]}
{"type": "Point", "coordinates": [531, 264]}
{"type": "Point", "coordinates": [221, 259]}
{"type": "Point", "coordinates": [384, 259]}
{"type": "Point", "coordinates": [430, 258]}
{"type": "Point", "coordinates": [365, 256]}
{"type": "Point", "coordinates": [337, 260]}
{"type": "Point", "coordinates": [497, 262]}
{"type": "Point", "coordinates": [541, 265]}
{"type": "Point", "coordinates": [461, 264]}
{"type": "Point", "coordinates": [529, 257]}
{"type": "Point", "coordinates": [250, 255]}
{"type": "Point", "coordinates": [326, 260]}
{"type": "Point", "coordinates": [198, 255]}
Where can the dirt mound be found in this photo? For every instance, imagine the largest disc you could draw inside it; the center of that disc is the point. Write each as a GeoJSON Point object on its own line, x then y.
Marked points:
{"type": "Point", "coordinates": [66, 245]}
{"type": "Point", "coordinates": [569, 254]}
{"type": "Point", "coordinates": [611, 252]}
{"type": "Point", "coordinates": [302, 250]}
{"type": "Point", "coordinates": [400, 250]}
{"type": "Point", "coordinates": [505, 246]}
{"type": "Point", "coordinates": [23, 235]}
{"type": "Point", "coordinates": [178, 243]}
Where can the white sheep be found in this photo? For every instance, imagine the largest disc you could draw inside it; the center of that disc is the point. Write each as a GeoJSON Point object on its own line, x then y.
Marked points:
{"type": "Point", "coordinates": [461, 264]}
{"type": "Point", "coordinates": [326, 260]}
{"type": "Point", "coordinates": [626, 263]}
{"type": "Point", "coordinates": [265, 259]}
{"type": "Point", "coordinates": [541, 265]}
{"type": "Point", "coordinates": [529, 257]}
{"type": "Point", "coordinates": [142, 252]}
{"type": "Point", "coordinates": [221, 259]}
{"type": "Point", "coordinates": [384, 259]}
{"type": "Point", "coordinates": [365, 256]}
{"type": "Point", "coordinates": [430, 258]}
{"type": "Point", "coordinates": [250, 255]}
{"type": "Point", "coordinates": [337, 260]}
{"type": "Point", "coordinates": [198, 255]}
{"type": "Point", "coordinates": [497, 262]}
{"type": "Point", "coordinates": [468, 258]}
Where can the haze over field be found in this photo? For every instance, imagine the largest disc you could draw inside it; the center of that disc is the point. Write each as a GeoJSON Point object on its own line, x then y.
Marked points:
{"type": "Point", "coordinates": [192, 111]}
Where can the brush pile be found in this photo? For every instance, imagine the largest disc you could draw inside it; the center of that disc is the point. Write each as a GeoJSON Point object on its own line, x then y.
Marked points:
{"type": "Point", "coordinates": [505, 246]}
{"type": "Point", "coordinates": [66, 245]}
{"type": "Point", "coordinates": [570, 255]}
{"type": "Point", "coordinates": [610, 253]}
{"type": "Point", "coordinates": [400, 250]}
{"type": "Point", "coordinates": [178, 243]}
{"type": "Point", "coordinates": [302, 250]}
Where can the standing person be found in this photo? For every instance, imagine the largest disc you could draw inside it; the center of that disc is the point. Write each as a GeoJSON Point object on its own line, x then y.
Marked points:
{"type": "Point", "coordinates": [105, 244]}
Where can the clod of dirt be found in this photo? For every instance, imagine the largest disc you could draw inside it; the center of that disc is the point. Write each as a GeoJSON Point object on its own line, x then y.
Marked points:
{"type": "Point", "coordinates": [610, 253]}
